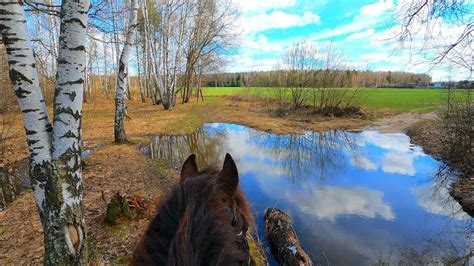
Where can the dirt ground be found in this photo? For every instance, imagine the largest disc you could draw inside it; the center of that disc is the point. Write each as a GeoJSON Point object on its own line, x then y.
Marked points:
{"type": "Point", "coordinates": [123, 168]}
{"type": "Point", "coordinates": [402, 122]}
{"type": "Point", "coordinates": [114, 168]}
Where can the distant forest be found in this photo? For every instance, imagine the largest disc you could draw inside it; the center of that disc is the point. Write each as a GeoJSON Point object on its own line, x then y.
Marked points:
{"type": "Point", "coordinates": [341, 78]}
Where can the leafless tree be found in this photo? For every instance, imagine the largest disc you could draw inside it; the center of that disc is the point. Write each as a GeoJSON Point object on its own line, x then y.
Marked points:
{"type": "Point", "coordinates": [210, 29]}
{"type": "Point", "coordinates": [441, 31]}
{"type": "Point", "coordinates": [458, 140]}
{"type": "Point", "coordinates": [328, 94]}
{"type": "Point", "coordinates": [299, 62]}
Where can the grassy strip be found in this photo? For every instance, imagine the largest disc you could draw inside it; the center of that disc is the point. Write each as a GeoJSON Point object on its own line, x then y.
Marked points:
{"type": "Point", "coordinates": [402, 100]}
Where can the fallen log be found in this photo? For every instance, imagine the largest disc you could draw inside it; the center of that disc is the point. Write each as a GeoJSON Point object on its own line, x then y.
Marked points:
{"type": "Point", "coordinates": [282, 238]}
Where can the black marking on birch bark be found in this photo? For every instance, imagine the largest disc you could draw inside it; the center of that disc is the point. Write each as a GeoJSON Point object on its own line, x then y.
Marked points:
{"type": "Point", "coordinates": [17, 76]}
{"type": "Point", "coordinates": [32, 141]}
{"type": "Point", "coordinates": [15, 39]}
{"type": "Point", "coordinates": [6, 12]}
{"type": "Point", "coordinates": [68, 110]}
{"type": "Point", "coordinates": [43, 118]}
{"type": "Point", "coordinates": [30, 110]}
{"type": "Point", "coordinates": [72, 95]}
{"type": "Point", "coordinates": [13, 62]}
{"type": "Point", "coordinates": [78, 48]}
{"type": "Point", "coordinates": [21, 93]}
{"type": "Point", "coordinates": [79, 81]}
{"type": "Point", "coordinates": [30, 132]}
{"type": "Point", "coordinates": [4, 27]}
{"type": "Point", "coordinates": [7, 3]}
{"type": "Point", "coordinates": [10, 49]}
{"type": "Point", "coordinates": [38, 148]}
{"type": "Point", "coordinates": [76, 20]}
{"type": "Point", "coordinates": [69, 134]}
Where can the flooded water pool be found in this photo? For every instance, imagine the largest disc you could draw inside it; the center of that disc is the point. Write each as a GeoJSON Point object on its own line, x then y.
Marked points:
{"type": "Point", "coordinates": [354, 198]}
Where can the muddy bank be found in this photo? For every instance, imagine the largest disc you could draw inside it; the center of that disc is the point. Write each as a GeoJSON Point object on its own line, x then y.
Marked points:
{"type": "Point", "coordinates": [429, 134]}
{"type": "Point", "coordinates": [401, 122]}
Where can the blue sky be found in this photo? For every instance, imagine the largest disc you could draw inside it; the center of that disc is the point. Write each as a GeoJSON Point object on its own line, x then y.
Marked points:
{"type": "Point", "coordinates": [361, 29]}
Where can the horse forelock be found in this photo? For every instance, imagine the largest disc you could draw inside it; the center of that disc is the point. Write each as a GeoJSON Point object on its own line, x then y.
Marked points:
{"type": "Point", "coordinates": [190, 226]}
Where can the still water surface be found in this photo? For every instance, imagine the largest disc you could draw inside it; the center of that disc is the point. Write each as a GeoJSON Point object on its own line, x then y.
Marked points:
{"type": "Point", "coordinates": [354, 198]}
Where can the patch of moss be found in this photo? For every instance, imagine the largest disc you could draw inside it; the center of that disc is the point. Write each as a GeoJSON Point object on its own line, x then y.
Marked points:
{"type": "Point", "coordinates": [123, 233]}
{"type": "Point", "coordinates": [120, 260]}
{"type": "Point", "coordinates": [256, 252]}
{"type": "Point", "coordinates": [117, 208]}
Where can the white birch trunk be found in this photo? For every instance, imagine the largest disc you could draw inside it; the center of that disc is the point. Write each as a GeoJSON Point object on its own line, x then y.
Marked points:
{"type": "Point", "coordinates": [30, 98]}
{"type": "Point", "coordinates": [119, 128]}
{"type": "Point", "coordinates": [67, 124]}
{"type": "Point", "coordinates": [55, 163]}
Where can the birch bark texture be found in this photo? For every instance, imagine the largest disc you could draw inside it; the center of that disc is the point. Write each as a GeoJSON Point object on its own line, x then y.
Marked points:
{"type": "Point", "coordinates": [55, 153]}
{"type": "Point", "coordinates": [122, 75]}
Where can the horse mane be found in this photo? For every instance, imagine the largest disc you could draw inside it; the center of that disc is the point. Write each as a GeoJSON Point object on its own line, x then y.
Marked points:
{"type": "Point", "coordinates": [188, 228]}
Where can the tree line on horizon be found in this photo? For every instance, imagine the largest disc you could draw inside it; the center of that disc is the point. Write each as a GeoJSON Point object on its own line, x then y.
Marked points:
{"type": "Point", "coordinates": [343, 79]}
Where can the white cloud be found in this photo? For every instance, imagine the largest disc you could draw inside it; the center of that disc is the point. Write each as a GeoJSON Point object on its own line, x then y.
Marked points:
{"type": "Point", "coordinates": [437, 200]}
{"type": "Point", "coordinates": [375, 57]}
{"type": "Point", "coordinates": [399, 163]}
{"type": "Point", "coordinates": [260, 6]}
{"type": "Point", "coordinates": [259, 45]}
{"type": "Point", "coordinates": [400, 153]}
{"type": "Point", "coordinates": [334, 201]}
{"type": "Point", "coordinates": [360, 35]}
{"type": "Point", "coordinates": [377, 9]}
{"type": "Point", "coordinates": [362, 162]}
{"type": "Point", "coordinates": [391, 141]}
{"type": "Point", "coordinates": [278, 20]}
{"type": "Point", "coordinates": [245, 63]}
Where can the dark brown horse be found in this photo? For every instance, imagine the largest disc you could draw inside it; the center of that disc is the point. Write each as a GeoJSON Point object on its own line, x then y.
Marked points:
{"type": "Point", "coordinates": [204, 221]}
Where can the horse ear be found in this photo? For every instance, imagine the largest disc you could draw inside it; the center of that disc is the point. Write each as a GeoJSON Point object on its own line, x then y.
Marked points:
{"type": "Point", "coordinates": [229, 177]}
{"type": "Point", "coordinates": [189, 167]}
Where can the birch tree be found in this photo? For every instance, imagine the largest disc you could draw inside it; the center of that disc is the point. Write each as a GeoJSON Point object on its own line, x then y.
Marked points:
{"type": "Point", "coordinates": [55, 152]}
{"type": "Point", "coordinates": [122, 76]}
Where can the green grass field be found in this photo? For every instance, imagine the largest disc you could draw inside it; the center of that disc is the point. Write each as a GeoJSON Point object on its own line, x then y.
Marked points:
{"type": "Point", "coordinates": [403, 100]}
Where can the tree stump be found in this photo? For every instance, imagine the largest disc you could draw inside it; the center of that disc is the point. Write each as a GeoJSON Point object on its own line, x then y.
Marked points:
{"type": "Point", "coordinates": [118, 207]}
{"type": "Point", "coordinates": [284, 244]}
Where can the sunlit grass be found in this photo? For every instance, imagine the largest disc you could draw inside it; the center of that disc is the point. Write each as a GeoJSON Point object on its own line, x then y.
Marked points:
{"type": "Point", "coordinates": [403, 100]}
